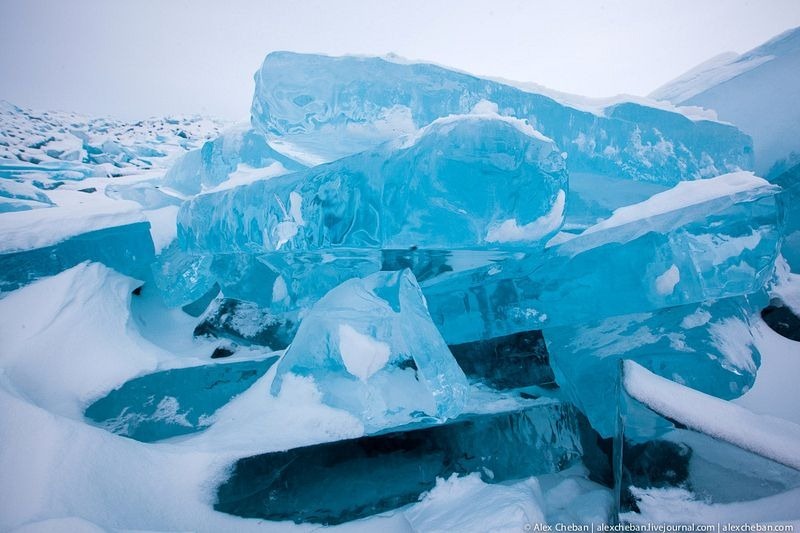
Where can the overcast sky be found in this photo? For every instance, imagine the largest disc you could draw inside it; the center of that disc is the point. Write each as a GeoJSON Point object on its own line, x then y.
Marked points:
{"type": "Point", "coordinates": [152, 57]}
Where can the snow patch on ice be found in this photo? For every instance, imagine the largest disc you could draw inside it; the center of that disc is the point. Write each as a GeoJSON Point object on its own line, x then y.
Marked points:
{"type": "Point", "coordinates": [163, 226]}
{"type": "Point", "coordinates": [679, 506]}
{"type": "Point", "coordinates": [361, 354]}
{"type": "Point", "coordinates": [245, 175]}
{"type": "Point", "coordinates": [769, 437]}
{"type": "Point", "coordinates": [733, 338]}
{"type": "Point", "coordinates": [665, 283]}
{"type": "Point", "coordinates": [483, 110]}
{"type": "Point", "coordinates": [711, 73]}
{"type": "Point", "coordinates": [510, 231]}
{"type": "Point", "coordinates": [701, 317]}
{"type": "Point", "coordinates": [684, 194]}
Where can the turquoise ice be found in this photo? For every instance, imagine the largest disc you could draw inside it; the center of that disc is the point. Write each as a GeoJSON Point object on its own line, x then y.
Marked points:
{"type": "Point", "coordinates": [472, 181]}
{"type": "Point", "coordinates": [239, 149]}
{"type": "Point", "coordinates": [335, 106]}
{"type": "Point", "coordinates": [371, 349]}
{"type": "Point", "coordinates": [475, 182]}
{"type": "Point", "coordinates": [707, 346]}
{"type": "Point", "coordinates": [701, 240]}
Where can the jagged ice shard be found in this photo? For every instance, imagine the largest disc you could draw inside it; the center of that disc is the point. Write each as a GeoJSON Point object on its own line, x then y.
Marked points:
{"type": "Point", "coordinates": [372, 350]}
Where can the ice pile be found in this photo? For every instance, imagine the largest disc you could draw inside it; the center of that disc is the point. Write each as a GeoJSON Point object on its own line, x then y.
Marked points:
{"type": "Point", "coordinates": [456, 267]}
{"type": "Point", "coordinates": [464, 182]}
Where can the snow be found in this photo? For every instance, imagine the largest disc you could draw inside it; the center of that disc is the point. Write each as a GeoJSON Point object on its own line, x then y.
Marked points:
{"type": "Point", "coordinates": [665, 283]}
{"type": "Point", "coordinates": [764, 435]}
{"type": "Point", "coordinates": [685, 194]}
{"type": "Point", "coordinates": [163, 226]}
{"type": "Point", "coordinates": [59, 140]}
{"type": "Point", "coordinates": [362, 355]}
{"type": "Point", "coordinates": [22, 230]}
{"type": "Point", "coordinates": [775, 392]}
{"type": "Point", "coordinates": [733, 341]}
{"type": "Point", "coordinates": [787, 285]}
{"type": "Point", "coordinates": [78, 332]}
{"type": "Point", "coordinates": [701, 317]}
{"type": "Point", "coordinates": [469, 504]}
{"type": "Point", "coordinates": [678, 506]}
{"type": "Point", "coordinates": [483, 110]}
{"type": "Point", "coordinates": [510, 231]}
{"type": "Point", "coordinates": [715, 71]}
{"type": "Point", "coordinates": [245, 174]}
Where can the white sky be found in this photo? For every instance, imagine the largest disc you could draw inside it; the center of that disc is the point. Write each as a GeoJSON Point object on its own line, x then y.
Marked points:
{"type": "Point", "coordinates": [152, 57]}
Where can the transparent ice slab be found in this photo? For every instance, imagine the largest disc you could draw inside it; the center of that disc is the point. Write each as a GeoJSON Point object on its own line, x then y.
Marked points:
{"type": "Point", "coordinates": [174, 402]}
{"type": "Point", "coordinates": [127, 249]}
{"type": "Point", "coordinates": [350, 479]}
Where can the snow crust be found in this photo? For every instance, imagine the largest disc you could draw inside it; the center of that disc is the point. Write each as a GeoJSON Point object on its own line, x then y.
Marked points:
{"type": "Point", "coordinates": [469, 504]}
{"type": "Point", "coordinates": [22, 230]}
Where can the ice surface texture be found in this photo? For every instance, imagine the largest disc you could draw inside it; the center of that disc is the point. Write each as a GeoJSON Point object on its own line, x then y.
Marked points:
{"type": "Point", "coordinates": [127, 249]}
{"type": "Point", "coordinates": [372, 350]}
{"type": "Point", "coordinates": [336, 106]}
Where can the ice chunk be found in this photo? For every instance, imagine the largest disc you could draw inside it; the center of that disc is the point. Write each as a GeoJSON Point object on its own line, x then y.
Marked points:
{"type": "Point", "coordinates": [239, 151]}
{"type": "Point", "coordinates": [127, 249]}
{"type": "Point", "coordinates": [332, 107]}
{"type": "Point", "coordinates": [707, 239]}
{"type": "Point", "coordinates": [708, 347]}
{"type": "Point", "coordinates": [174, 402]}
{"type": "Point", "coordinates": [182, 278]}
{"type": "Point", "coordinates": [372, 350]}
{"type": "Point", "coordinates": [348, 479]}
{"type": "Point", "coordinates": [513, 361]}
{"type": "Point", "coordinates": [463, 182]}
{"type": "Point", "coordinates": [20, 196]}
